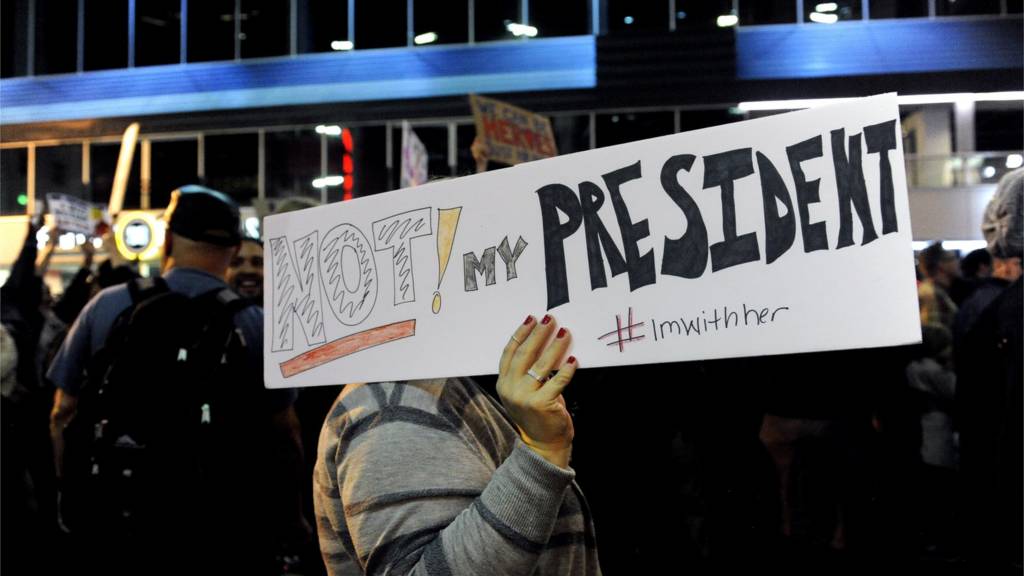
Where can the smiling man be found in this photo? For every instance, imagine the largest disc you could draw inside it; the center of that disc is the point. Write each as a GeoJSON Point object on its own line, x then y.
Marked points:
{"type": "Point", "coordinates": [245, 274]}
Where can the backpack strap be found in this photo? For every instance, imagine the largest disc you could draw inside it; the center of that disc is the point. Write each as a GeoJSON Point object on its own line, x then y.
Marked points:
{"type": "Point", "coordinates": [141, 289]}
{"type": "Point", "coordinates": [224, 304]}
{"type": "Point", "coordinates": [232, 301]}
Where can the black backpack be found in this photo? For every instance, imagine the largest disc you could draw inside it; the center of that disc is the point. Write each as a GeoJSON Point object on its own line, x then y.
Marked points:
{"type": "Point", "coordinates": [159, 433]}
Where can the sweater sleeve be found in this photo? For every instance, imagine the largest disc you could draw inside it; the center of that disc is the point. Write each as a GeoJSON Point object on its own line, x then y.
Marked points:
{"type": "Point", "coordinates": [415, 497]}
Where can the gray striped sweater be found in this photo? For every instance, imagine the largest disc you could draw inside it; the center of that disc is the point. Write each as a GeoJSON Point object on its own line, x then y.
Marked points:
{"type": "Point", "coordinates": [430, 477]}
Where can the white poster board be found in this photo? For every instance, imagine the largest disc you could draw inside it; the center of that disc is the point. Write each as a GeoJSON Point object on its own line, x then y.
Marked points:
{"type": "Point", "coordinates": [414, 158]}
{"type": "Point", "coordinates": [784, 234]}
{"type": "Point", "coordinates": [75, 215]}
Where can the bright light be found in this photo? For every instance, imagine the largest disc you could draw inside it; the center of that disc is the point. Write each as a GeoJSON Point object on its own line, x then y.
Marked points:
{"type": "Point", "coordinates": [988, 171]}
{"type": "Point", "coordinates": [905, 100]}
{"type": "Point", "coordinates": [42, 237]}
{"type": "Point", "coordinates": [252, 227]}
{"type": "Point", "coordinates": [22, 199]}
{"type": "Point", "coordinates": [97, 243]}
{"type": "Point", "coordinates": [726, 20]}
{"type": "Point", "coordinates": [824, 18]}
{"type": "Point", "coordinates": [964, 245]}
{"type": "Point", "coordinates": [518, 30]}
{"type": "Point", "coordinates": [79, 239]}
{"type": "Point", "coordinates": [342, 45]}
{"type": "Point", "coordinates": [961, 245]}
{"type": "Point", "coordinates": [1014, 161]}
{"type": "Point", "coordinates": [962, 97]}
{"type": "Point", "coordinates": [329, 130]}
{"type": "Point", "coordinates": [328, 181]}
{"type": "Point", "coordinates": [425, 38]}
{"type": "Point", "coordinates": [628, 19]}
{"type": "Point", "coordinates": [66, 241]}
{"type": "Point", "coordinates": [826, 7]}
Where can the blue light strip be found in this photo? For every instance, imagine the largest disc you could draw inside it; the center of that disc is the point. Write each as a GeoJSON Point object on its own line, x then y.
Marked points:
{"type": "Point", "coordinates": [362, 75]}
{"type": "Point", "coordinates": [897, 46]}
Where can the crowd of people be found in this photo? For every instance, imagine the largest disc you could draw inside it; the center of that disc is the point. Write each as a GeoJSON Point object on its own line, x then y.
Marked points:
{"type": "Point", "coordinates": [138, 436]}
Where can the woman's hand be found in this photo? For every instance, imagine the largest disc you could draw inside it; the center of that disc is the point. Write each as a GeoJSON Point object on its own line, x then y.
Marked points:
{"type": "Point", "coordinates": [533, 400]}
{"type": "Point", "coordinates": [479, 151]}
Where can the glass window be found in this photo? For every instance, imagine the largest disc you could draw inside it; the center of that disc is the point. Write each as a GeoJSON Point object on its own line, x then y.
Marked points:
{"type": "Point", "coordinates": [56, 36]}
{"type": "Point", "coordinates": [173, 163]}
{"type": "Point", "coordinates": [562, 18]}
{"type": "Point", "coordinates": [103, 165]}
{"type": "Point", "coordinates": [321, 22]}
{"type": "Point", "coordinates": [1000, 129]}
{"type": "Point", "coordinates": [211, 30]}
{"type": "Point", "coordinates": [158, 32]}
{"type": "Point", "coordinates": [631, 126]}
{"type": "Point", "coordinates": [232, 165]}
{"type": "Point", "coordinates": [435, 139]}
{"type": "Point", "coordinates": [336, 166]}
{"type": "Point", "coordinates": [845, 10]}
{"type": "Point", "coordinates": [701, 13]}
{"type": "Point", "coordinates": [1015, 6]}
{"type": "Point", "coordinates": [767, 11]}
{"type": "Point", "coordinates": [13, 181]}
{"type": "Point", "coordinates": [899, 8]}
{"type": "Point", "coordinates": [697, 119]}
{"type": "Point", "coordinates": [380, 23]}
{"type": "Point", "coordinates": [965, 7]}
{"type": "Point", "coordinates": [629, 16]}
{"type": "Point", "coordinates": [12, 37]}
{"type": "Point", "coordinates": [449, 19]}
{"type": "Point", "coordinates": [491, 18]}
{"type": "Point", "coordinates": [370, 169]}
{"type": "Point", "coordinates": [106, 35]}
{"type": "Point", "coordinates": [572, 133]}
{"type": "Point", "coordinates": [465, 165]}
{"type": "Point", "coordinates": [265, 28]}
{"type": "Point", "coordinates": [59, 171]}
{"type": "Point", "coordinates": [293, 162]}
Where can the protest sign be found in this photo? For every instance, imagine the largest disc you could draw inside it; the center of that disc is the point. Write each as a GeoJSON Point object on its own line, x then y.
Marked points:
{"type": "Point", "coordinates": [511, 134]}
{"type": "Point", "coordinates": [784, 234]}
{"type": "Point", "coordinates": [414, 158]}
{"type": "Point", "coordinates": [72, 214]}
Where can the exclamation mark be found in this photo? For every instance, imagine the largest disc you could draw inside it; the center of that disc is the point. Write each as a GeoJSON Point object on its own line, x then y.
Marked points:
{"type": "Point", "coordinates": [447, 223]}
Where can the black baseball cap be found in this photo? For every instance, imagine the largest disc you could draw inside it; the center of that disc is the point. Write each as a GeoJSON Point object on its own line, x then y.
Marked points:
{"type": "Point", "coordinates": [204, 215]}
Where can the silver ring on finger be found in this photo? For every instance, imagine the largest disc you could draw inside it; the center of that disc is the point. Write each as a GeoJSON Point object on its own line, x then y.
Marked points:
{"type": "Point", "coordinates": [517, 340]}
{"type": "Point", "coordinates": [533, 374]}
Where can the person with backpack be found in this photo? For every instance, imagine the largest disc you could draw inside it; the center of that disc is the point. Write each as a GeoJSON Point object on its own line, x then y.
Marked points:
{"type": "Point", "coordinates": [162, 430]}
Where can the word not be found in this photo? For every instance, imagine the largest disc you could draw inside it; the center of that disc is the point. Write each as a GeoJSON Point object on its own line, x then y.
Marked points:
{"type": "Point", "coordinates": [703, 324]}
{"type": "Point", "coordinates": [564, 211]}
{"type": "Point", "coordinates": [485, 267]}
{"type": "Point", "coordinates": [300, 268]}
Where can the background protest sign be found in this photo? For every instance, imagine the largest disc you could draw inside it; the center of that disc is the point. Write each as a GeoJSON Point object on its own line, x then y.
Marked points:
{"type": "Point", "coordinates": [784, 234]}
{"type": "Point", "coordinates": [512, 134]}
{"type": "Point", "coordinates": [72, 214]}
{"type": "Point", "coordinates": [414, 158]}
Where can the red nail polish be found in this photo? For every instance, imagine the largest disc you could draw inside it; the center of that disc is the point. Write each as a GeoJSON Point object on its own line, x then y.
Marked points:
{"type": "Point", "coordinates": [528, 320]}
{"type": "Point", "coordinates": [547, 318]}
{"type": "Point", "coordinates": [571, 360]}
{"type": "Point", "coordinates": [561, 332]}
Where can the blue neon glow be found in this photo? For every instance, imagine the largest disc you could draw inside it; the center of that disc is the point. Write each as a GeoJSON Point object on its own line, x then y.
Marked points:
{"type": "Point", "coordinates": [397, 73]}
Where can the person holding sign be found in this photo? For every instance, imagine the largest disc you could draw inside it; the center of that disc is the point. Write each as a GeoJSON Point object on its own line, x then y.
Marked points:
{"type": "Point", "coordinates": [435, 477]}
